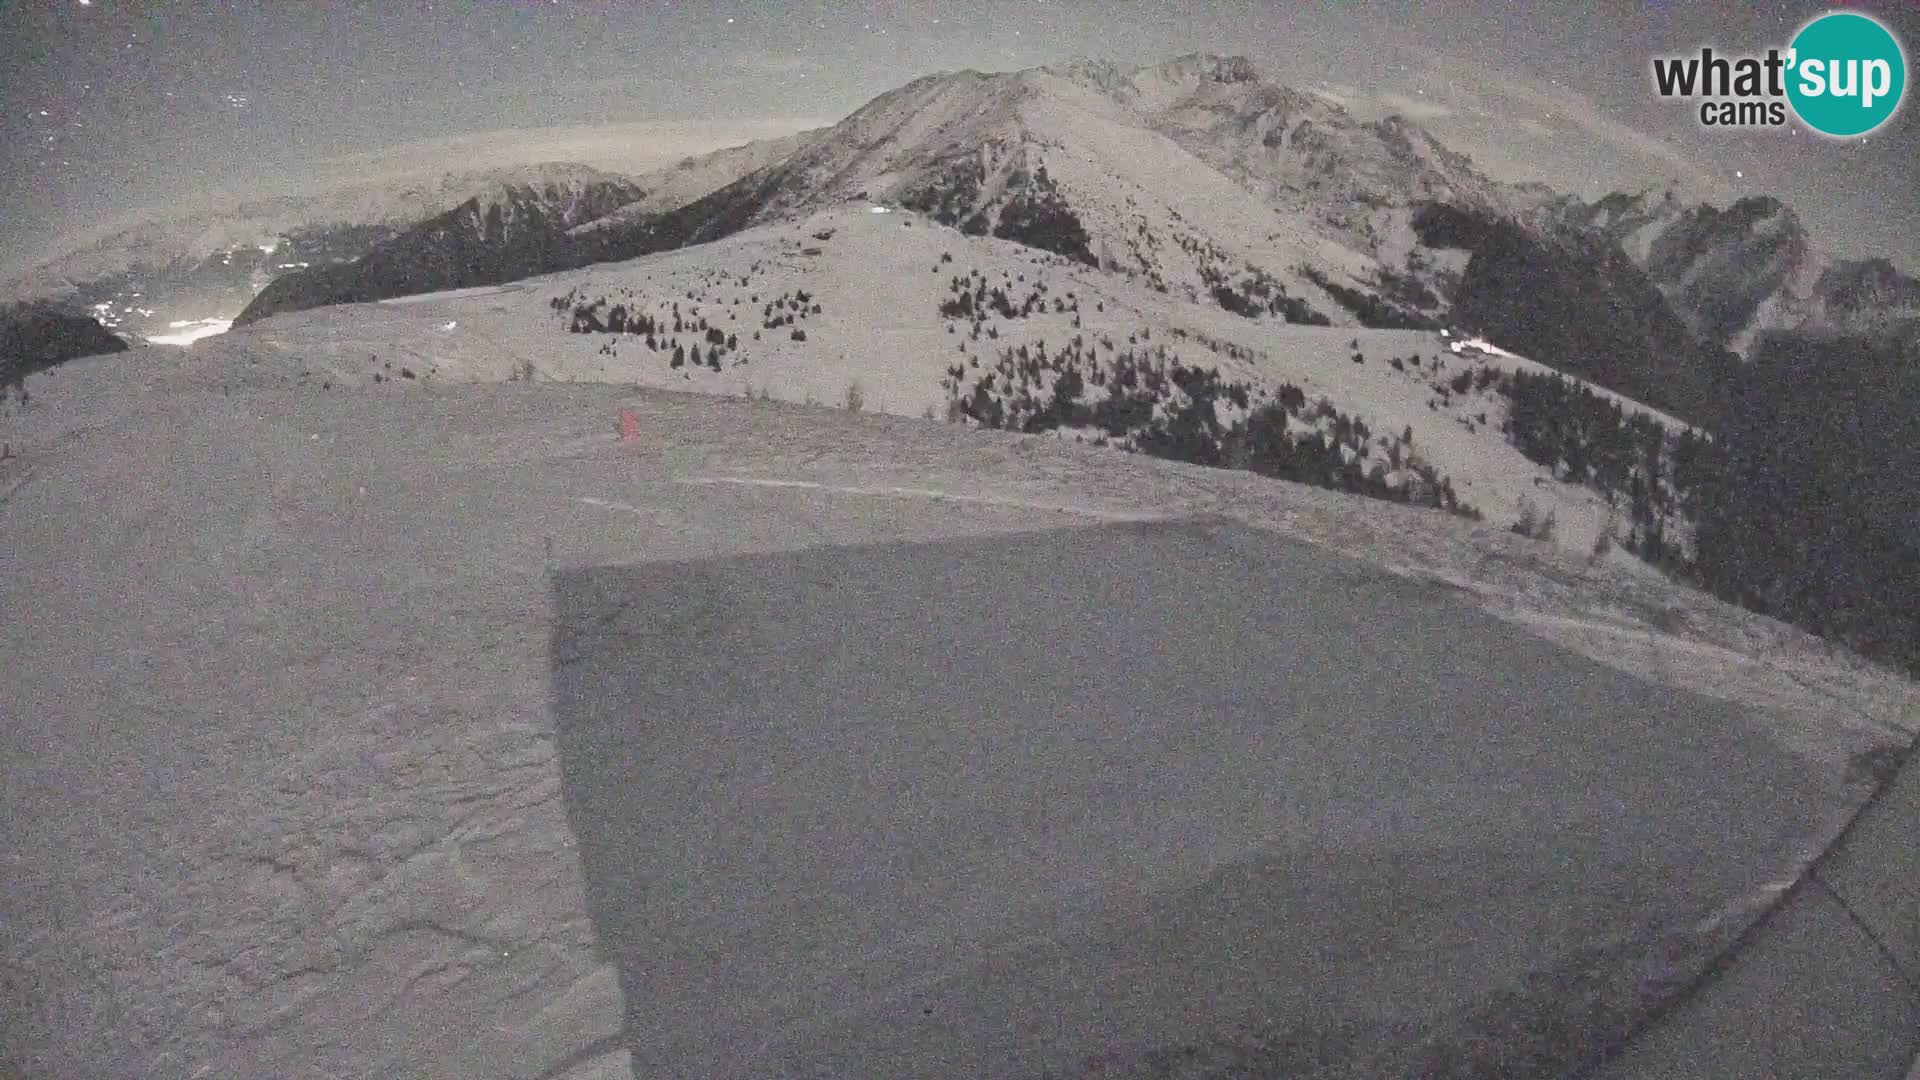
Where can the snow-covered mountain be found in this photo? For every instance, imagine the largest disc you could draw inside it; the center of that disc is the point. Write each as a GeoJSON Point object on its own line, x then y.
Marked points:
{"type": "Point", "coordinates": [689, 179]}
{"type": "Point", "coordinates": [508, 231]}
{"type": "Point", "coordinates": [393, 203]}
{"type": "Point", "coordinates": [1201, 180]}
{"type": "Point", "coordinates": [1197, 178]}
{"type": "Point", "coordinates": [1181, 261]}
{"type": "Point", "coordinates": [1735, 273]}
{"type": "Point", "coordinates": [1252, 256]}
{"type": "Point", "coordinates": [1298, 150]}
{"type": "Point", "coordinates": [1196, 175]}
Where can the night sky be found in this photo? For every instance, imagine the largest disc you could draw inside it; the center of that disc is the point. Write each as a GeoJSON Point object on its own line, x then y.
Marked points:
{"type": "Point", "coordinates": [111, 106]}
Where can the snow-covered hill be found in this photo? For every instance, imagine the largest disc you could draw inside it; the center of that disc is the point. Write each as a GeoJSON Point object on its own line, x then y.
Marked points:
{"type": "Point", "coordinates": [365, 851]}
{"type": "Point", "coordinates": [888, 310]}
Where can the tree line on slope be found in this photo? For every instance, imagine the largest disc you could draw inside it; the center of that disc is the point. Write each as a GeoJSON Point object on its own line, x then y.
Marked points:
{"type": "Point", "coordinates": [1631, 458]}
{"type": "Point", "coordinates": [1809, 510]}
{"type": "Point", "coordinates": [658, 329]}
{"type": "Point", "coordinates": [1148, 400]}
{"type": "Point", "coordinates": [1033, 210]}
{"type": "Point", "coordinates": [1804, 504]}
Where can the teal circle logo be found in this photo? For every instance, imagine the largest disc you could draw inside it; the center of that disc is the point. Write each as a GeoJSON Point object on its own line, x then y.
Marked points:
{"type": "Point", "coordinates": [1846, 74]}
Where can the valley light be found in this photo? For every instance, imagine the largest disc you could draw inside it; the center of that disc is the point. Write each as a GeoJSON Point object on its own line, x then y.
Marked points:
{"type": "Point", "coordinates": [192, 330]}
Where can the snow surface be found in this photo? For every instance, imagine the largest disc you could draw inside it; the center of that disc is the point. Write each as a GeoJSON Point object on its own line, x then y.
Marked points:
{"type": "Point", "coordinates": [350, 856]}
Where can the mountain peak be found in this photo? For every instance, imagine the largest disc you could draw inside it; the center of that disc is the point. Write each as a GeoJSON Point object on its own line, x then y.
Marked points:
{"type": "Point", "coordinates": [1155, 85]}
{"type": "Point", "coordinates": [1093, 72]}
{"type": "Point", "coordinates": [1208, 67]}
{"type": "Point", "coordinates": [1754, 209]}
{"type": "Point", "coordinates": [1076, 159]}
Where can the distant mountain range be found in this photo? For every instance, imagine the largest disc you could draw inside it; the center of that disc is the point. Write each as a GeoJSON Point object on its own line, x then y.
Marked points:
{"type": "Point", "coordinates": [513, 230]}
{"type": "Point", "coordinates": [149, 278]}
{"type": "Point", "coordinates": [1733, 274]}
{"type": "Point", "coordinates": [1197, 177]}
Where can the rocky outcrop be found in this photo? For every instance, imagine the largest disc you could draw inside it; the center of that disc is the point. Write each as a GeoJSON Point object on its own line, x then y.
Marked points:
{"type": "Point", "coordinates": [1737, 273]}
{"type": "Point", "coordinates": [1868, 297]}
{"type": "Point", "coordinates": [1729, 272]}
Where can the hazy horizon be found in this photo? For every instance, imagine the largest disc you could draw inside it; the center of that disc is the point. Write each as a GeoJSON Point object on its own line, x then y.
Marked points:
{"type": "Point", "coordinates": [621, 148]}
